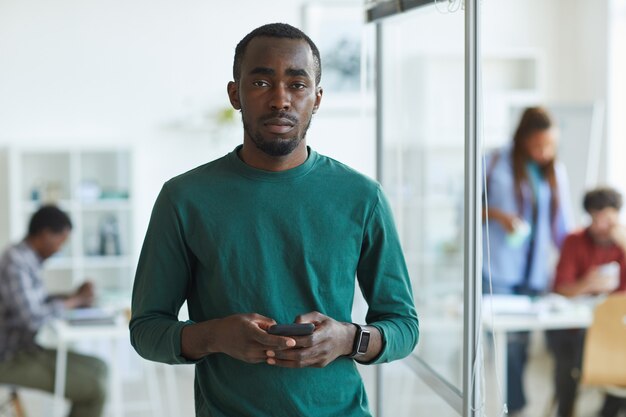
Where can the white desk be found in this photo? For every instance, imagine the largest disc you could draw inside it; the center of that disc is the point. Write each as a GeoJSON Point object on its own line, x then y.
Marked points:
{"type": "Point", "coordinates": [549, 313]}
{"type": "Point", "coordinates": [61, 334]}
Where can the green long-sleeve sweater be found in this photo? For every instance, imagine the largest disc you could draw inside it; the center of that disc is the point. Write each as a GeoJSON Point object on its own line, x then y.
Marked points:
{"type": "Point", "coordinates": [229, 239]}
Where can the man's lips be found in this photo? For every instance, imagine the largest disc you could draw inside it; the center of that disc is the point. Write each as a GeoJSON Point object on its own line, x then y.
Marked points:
{"type": "Point", "coordinates": [279, 125]}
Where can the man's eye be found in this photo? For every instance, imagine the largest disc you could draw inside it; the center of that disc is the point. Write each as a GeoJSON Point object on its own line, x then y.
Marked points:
{"type": "Point", "coordinates": [260, 83]}
{"type": "Point", "coordinates": [299, 86]}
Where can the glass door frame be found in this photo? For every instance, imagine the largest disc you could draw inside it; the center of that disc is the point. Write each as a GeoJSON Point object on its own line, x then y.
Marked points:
{"type": "Point", "coordinates": [466, 403]}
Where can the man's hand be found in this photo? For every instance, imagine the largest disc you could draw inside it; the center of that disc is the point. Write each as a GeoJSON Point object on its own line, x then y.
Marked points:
{"type": "Point", "coordinates": [594, 282]}
{"type": "Point", "coordinates": [242, 336]}
{"type": "Point", "coordinates": [330, 340]}
{"type": "Point", "coordinates": [82, 297]}
{"type": "Point", "coordinates": [618, 236]}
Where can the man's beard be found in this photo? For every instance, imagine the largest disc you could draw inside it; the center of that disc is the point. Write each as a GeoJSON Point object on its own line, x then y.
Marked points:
{"type": "Point", "coordinates": [275, 146]}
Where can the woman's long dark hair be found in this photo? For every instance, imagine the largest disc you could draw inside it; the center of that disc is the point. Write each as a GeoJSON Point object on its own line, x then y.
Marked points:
{"type": "Point", "coordinates": [533, 119]}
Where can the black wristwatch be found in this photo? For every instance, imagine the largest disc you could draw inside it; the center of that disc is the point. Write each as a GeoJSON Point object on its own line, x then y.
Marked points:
{"type": "Point", "coordinates": [361, 341]}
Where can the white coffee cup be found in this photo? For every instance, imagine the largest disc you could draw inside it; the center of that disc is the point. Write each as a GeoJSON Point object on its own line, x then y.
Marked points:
{"type": "Point", "coordinates": [521, 231]}
{"type": "Point", "coordinates": [610, 273]}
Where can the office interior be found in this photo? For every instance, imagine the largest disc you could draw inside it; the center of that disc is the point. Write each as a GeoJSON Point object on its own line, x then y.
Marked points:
{"type": "Point", "coordinates": [102, 102]}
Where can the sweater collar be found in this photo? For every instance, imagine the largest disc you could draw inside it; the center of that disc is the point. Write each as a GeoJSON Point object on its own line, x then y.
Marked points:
{"type": "Point", "coordinates": [263, 175]}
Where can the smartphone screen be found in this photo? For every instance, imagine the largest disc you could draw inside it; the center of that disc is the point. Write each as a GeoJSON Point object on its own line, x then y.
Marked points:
{"type": "Point", "coordinates": [293, 329]}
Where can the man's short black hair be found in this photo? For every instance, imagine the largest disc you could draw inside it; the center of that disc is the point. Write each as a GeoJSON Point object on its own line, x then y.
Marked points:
{"type": "Point", "coordinates": [276, 30]}
{"type": "Point", "coordinates": [601, 198]}
{"type": "Point", "coordinates": [49, 217]}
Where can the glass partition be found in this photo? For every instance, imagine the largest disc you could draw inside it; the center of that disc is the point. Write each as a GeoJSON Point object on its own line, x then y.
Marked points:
{"type": "Point", "coordinates": [423, 143]}
{"type": "Point", "coordinates": [406, 394]}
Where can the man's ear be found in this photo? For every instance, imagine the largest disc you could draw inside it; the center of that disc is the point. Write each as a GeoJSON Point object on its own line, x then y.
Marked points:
{"type": "Point", "coordinates": [318, 99]}
{"type": "Point", "coordinates": [233, 94]}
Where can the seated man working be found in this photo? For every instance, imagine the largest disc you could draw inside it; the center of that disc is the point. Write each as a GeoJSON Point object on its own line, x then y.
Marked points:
{"type": "Point", "coordinates": [593, 261]}
{"type": "Point", "coordinates": [25, 306]}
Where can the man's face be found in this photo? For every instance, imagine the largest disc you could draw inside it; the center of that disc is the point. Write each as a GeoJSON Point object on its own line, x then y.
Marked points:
{"type": "Point", "coordinates": [52, 242]}
{"type": "Point", "coordinates": [276, 93]}
{"type": "Point", "coordinates": [541, 146]}
{"type": "Point", "coordinates": [602, 222]}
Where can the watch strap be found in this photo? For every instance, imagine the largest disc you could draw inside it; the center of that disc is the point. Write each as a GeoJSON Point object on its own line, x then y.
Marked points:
{"type": "Point", "coordinates": [361, 341]}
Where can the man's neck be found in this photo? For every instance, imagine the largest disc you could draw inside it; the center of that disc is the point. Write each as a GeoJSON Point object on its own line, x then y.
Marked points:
{"type": "Point", "coordinates": [599, 241]}
{"type": "Point", "coordinates": [34, 244]}
{"type": "Point", "coordinates": [254, 157]}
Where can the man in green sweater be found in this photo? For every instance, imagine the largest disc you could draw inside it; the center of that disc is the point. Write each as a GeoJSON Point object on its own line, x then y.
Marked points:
{"type": "Point", "coordinates": [272, 233]}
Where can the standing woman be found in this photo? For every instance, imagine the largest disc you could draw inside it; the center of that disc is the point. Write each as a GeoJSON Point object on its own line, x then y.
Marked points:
{"type": "Point", "coordinates": [528, 212]}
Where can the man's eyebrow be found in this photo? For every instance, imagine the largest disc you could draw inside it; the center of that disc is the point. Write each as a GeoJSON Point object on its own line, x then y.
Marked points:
{"type": "Point", "coordinates": [262, 71]}
{"type": "Point", "coordinates": [292, 72]}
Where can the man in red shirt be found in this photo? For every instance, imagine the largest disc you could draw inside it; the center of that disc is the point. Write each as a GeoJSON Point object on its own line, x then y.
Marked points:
{"type": "Point", "coordinates": [592, 261]}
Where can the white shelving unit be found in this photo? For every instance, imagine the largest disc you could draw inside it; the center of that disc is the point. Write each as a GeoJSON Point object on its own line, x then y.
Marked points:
{"type": "Point", "coordinates": [94, 187]}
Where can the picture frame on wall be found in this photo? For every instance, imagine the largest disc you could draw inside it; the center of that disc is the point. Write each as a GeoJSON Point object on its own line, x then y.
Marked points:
{"type": "Point", "coordinates": [338, 29]}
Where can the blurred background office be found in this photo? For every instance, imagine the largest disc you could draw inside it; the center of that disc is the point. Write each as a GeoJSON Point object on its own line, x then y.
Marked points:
{"type": "Point", "coordinates": [103, 101]}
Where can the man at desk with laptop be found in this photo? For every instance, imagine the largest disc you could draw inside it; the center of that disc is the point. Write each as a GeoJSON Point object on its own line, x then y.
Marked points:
{"type": "Point", "coordinates": [25, 306]}
{"type": "Point", "coordinates": [592, 262]}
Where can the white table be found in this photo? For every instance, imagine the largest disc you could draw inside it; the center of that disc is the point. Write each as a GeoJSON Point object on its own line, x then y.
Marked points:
{"type": "Point", "coordinates": [61, 334]}
{"type": "Point", "coordinates": [520, 313]}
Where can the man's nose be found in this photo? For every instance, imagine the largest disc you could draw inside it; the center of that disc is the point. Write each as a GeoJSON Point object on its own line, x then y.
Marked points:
{"type": "Point", "coordinates": [604, 224]}
{"type": "Point", "coordinates": [281, 99]}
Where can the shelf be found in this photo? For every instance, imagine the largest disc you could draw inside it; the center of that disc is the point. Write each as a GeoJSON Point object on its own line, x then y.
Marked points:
{"type": "Point", "coordinates": [106, 205]}
{"type": "Point", "coordinates": [68, 262]}
{"type": "Point", "coordinates": [61, 262]}
{"type": "Point", "coordinates": [94, 187]}
{"type": "Point", "coordinates": [511, 73]}
{"type": "Point", "coordinates": [106, 261]}
{"type": "Point", "coordinates": [30, 206]}
{"type": "Point", "coordinates": [114, 298]}
{"type": "Point", "coordinates": [44, 176]}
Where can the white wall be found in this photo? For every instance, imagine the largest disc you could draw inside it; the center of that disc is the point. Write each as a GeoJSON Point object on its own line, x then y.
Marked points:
{"type": "Point", "coordinates": [107, 73]}
{"type": "Point", "coordinates": [617, 121]}
{"type": "Point", "coordinates": [570, 36]}
{"type": "Point", "coordinates": [92, 73]}
{"type": "Point", "coordinates": [568, 40]}
{"type": "Point", "coordinates": [571, 39]}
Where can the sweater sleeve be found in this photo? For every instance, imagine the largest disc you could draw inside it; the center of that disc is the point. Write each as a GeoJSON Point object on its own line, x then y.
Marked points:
{"type": "Point", "coordinates": [385, 284]}
{"type": "Point", "coordinates": [162, 278]}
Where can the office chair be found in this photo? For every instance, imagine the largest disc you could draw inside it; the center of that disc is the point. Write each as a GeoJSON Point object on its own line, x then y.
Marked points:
{"type": "Point", "coordinates": [12, 406]}
{"type": "Point", "coordinates": [604, 357]}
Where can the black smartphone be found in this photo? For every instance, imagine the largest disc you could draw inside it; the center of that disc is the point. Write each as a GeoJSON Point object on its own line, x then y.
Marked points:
{"type": "Point", "coordinates": [293, 329]}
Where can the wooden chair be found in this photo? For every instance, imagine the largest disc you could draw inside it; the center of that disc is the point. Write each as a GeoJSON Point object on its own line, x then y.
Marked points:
{"type": "Point", "coordinates": [604, 357]}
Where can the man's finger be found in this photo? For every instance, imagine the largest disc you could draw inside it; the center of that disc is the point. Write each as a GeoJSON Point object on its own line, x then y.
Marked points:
{"type": "Point", "coordinates": [273, 341]}
{"type": "Point", "coordinates": [311, 317]}
{"type": "Point", "coordinates": [285, 363]}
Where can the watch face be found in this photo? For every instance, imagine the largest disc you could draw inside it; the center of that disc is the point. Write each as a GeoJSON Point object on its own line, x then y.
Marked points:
{"type": "Point", "coordinates": [364, 342]}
